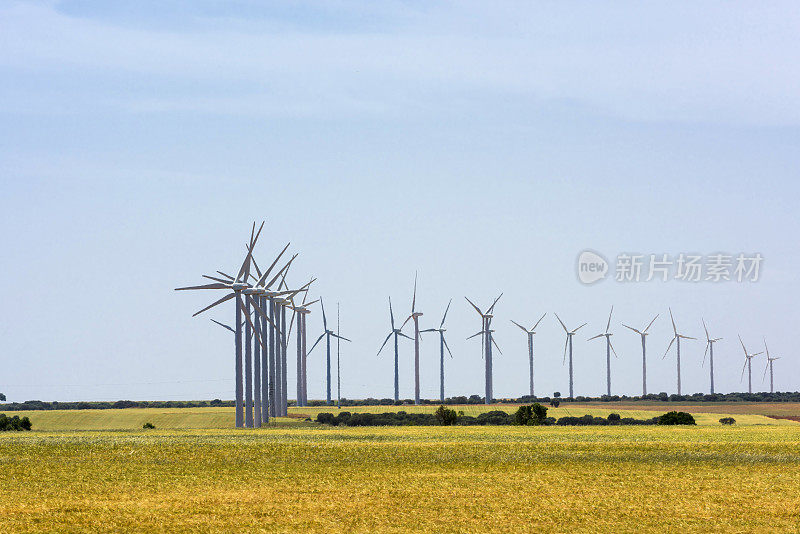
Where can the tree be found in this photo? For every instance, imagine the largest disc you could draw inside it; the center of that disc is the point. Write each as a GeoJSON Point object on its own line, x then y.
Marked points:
{"type": "Point", "coordinates": [2, 397]}
{"type": "Point", "coordinates": [446, 416]}
{"type": "Point", "coordinates": [535, 414]}
{"type": "Point", "coordinates": [727, 421]}
{"type": "Point", "coordinates": [557, 394]}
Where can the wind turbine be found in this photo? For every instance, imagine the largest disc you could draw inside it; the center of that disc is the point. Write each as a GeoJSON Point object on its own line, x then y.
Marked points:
{"type": "Point", "coordinates": [487, 340]}
{"type": "Point", "coordinates": [327, 334]}
{"type": "Point", "coordinates": [748, 364]}
{"type": "Point", "coordinates": [235, 286]}
{"type": "Point", "coordinates": [609, 349]}
{"type": "Point", "coordinates": [415, 315]}
{"type": "Point", "coordinates": [442, 345]}
{"type": "Point", "coordinates": [770, 359]}
{"type": "Point", "coordinates": [302, 378]}
{"type": "Point", "coordinates": [568, 343]}
{"type": "Point", "coordinates": [530, 333]}
{"type": "Point", "coordinates": [643, 334]}
{"type": "Point", "coordinates": [710, 351]}
{"type": "Point", "coordinates": [677, 337]}
{"type": "Point", "coordinates": [396, 332]}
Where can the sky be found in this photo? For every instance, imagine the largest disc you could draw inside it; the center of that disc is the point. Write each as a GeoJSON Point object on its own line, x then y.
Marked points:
{"type": "Point", "coordinates": [483, 146]}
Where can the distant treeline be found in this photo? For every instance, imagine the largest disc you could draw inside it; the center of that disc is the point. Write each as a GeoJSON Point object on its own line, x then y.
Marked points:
{"type": "Point", "coordinates": [472, 399]}
{"type": "Point", "coordinates": [108, 405]}
{"type": "Point", "coordinates": [533, 415]}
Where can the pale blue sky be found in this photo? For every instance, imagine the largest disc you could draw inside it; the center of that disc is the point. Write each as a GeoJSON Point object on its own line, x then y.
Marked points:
{"type": "Point", "coordinates": [483, 144]}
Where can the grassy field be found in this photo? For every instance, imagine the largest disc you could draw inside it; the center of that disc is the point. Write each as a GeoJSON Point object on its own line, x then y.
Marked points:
{"type": "Point", "coordinates": [221, 418]}
{"type": "Point", "coordinates": [430, 479]}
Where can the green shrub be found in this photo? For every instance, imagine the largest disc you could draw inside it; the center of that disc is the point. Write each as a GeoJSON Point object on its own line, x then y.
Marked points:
{"type": "Point", "coordinates": [728, 421]}
{"type": "Point", "coordinates": [14, 423]}
{"type": "Point", "coordinates": [148, 425]}
{"type": "Point", "coordinates": [676, 418]}
{"type": "Point", "coordinates": [535, 414]}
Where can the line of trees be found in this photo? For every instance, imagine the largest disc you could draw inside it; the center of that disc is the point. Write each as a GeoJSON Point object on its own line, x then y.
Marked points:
{"type": "Point", "coordinates": [528, 415]}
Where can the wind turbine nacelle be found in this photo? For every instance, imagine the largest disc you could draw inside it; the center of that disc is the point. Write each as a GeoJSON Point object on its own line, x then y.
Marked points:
{"type": "Point", "coordinates": [238, 286]}
{"type": "Point", "coordinates": [416, 314]}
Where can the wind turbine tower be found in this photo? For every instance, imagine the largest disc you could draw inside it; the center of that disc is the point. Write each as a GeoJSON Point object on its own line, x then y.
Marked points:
{"type": "Point", "coordinates": [530, 333]}
{"type": "Point", "coordinates": [568, 344]}
{"type": "Point", "coordinates": [487, 340]}
{"type": "Point", "coordinates": [710, 352]}
{"type": "Point", "coordinates": [442, 345]}
{"type": "Point", "coordinates": [643, 334]}
{"type": "Point", "coordinates": [676, 338]}
{"type": "Point", "coordinates": [396, 332]}
{"type": "Point", "coordinates": [770, 359]}
{"type": "Point", "coordinates": [609, 349]}
{"type": "Point", "coordinates": [415, 315]}
{"type": "Point", "coordinates": [748, 365]}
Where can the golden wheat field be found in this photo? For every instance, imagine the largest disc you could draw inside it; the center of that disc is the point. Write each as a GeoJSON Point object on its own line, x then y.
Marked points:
{"type": "Point", "coordinates": [300, 477]}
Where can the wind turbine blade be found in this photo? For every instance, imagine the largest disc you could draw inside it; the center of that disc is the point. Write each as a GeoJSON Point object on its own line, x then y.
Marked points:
{"type": "Point", "coordinates": [496, 345]}
{"type": "Point", "coordinates": [766, 368]}
{"type": "Point", "coordinates": [562, 323]}
{"type": "Point", "coordinates": [491, 308]}
{"type": "Point", "coordinates": [706, 329]}
{"type": "Point", "coordinates": [404, 322]}
{"type": "Point", "coordinates": [766, 348]}
{"type": "Point", "coordinates": [477, 309]}
{"type": "Point", "coordinates": [612, 348]}
{"type": "Point", "coordinates": [446, 346]}
{"type": "Point", "coordinates": [743, 369]}
{"type": "Point", "coordinates": [445, 313]}
{"type": "Point", "coordinates": [245, 268]}
{"type": "Point", "coordinates": [519, 325]}
{"type": "Point", "coordinates": [227, 297]}
{"type": "Point", "coordinates": [414, 300]}
{"type": "Point", "coordinates": [384, 343]}
{"type": "Point", "coordinates": [475, 335]}
{"type": "Point", "coordinates": [428, 330]}
{"type": "Point", "coordinates": [341, 337]}
{"type": "Point", "coordinates": [581, 326]}
{"type": "Point", "coordinates": [564, 360]}
{"type": "Point", "coordinates": [674, 328]}
{"type": "Point", "coordinates": [539, 321]}
{"type": "Point", "coordinates": [324, 319]}
{"type": "Point", "coordinates": [742, 342]}
{"type": "Point", "coordinates": [226, 327]}
{"type": "Point", "coordinates": [651, 323]}
{"type": "Point", "coordinates": [595, 337]}
{"type": "Point", "coordinates": [255, 265]}
{"type": "Point", "coordinates": [206, 286]}
{"type": "Point", "coordinates": [220, 280]}
{"type": "Point", "coordinates": [225, 275]}
{"type": "Point", "coordinates": [391, 313]}
{"type": "Point", "coordinates": [279, 273]}
{"type": "Point", "coordinates": [405, 336]}
{"type": "Point", "coordinates": [757, 354]}
{"type": "Point", "coordinates": [705, 354]}
{"type": "Point", "coordinates": [631, 328]}
{"type": "Point", "coordinates": [317, 341]}
{"type": "Point", "coordinates": [609, 319]}
{"type": "Point", "coordinates": [272, 266]}
{"type": "Point", "coordinates": [669, 347]}
{"type": "Point", "coordinates": [686, 337]}
{"type": "Point", "coordinates": [291, 322]}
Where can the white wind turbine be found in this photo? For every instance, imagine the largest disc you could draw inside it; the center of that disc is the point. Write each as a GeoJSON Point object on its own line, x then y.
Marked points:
{"type": "Point", "coordinates": [770, 359]}
{"type": "Point", "coordinates": [396, 332]}
{"type": "Point", "coordinates": [609, 349]}
{"type": "Point", "coordinates": [530, 333]}
{"type": "Point", "coordinates": [710, 352]}
{"type": "Point", "coordinates": [676, 338]}
{"type": "Point", "coordinates": [487, 340]}
{"type": "Point", "coordinates": [568, 343]}
{"type": "Point", "coordinates": [442, 345]}
{"type": "Point", "coordinates": [415, 315]}
{"type": "Point", "coordinates": [643, 334]}
{"type": "Point", "coordinates": [748, 365]}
